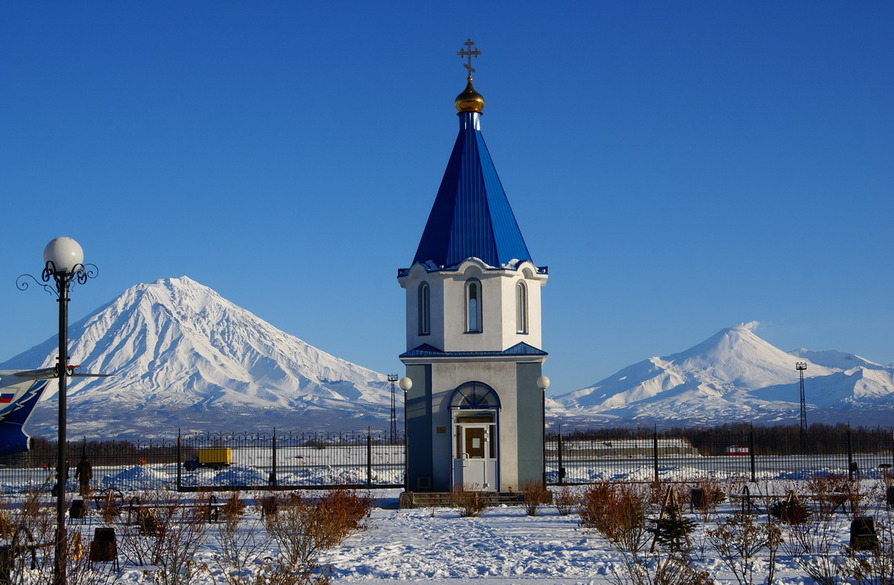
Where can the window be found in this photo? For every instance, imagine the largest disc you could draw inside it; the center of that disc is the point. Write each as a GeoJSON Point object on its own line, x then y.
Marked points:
{"type": "Point", "coordinates": [521, 308]}
{"type": "Point", "coordinates": [424, 307]}
{"type": "Point", "coordinates": [473, 306]}
{"type": "Point", "coordinates": [477, 396]}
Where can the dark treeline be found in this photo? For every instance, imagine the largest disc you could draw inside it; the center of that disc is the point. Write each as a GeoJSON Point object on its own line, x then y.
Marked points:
{"type": "Point", "coordinates": [43, 453]}
{"type": "Point", "coordinates": [818, 439]}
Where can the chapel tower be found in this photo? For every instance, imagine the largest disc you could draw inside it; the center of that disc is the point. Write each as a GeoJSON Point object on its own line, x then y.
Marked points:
{"type": "Point", "coordinates": [475, 405]}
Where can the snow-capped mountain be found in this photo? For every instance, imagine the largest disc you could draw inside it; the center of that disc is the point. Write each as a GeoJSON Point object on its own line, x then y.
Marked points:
{"type": "Point", "coordinates": [736, 376]}
{"type": "Point", "coordinates": [181, 356]}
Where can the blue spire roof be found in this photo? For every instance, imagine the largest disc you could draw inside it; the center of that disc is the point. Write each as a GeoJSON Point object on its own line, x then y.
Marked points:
{"type": "Point", "coordinates": [471, 216]}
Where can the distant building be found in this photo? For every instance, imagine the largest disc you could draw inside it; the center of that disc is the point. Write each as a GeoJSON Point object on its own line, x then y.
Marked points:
{"type": "Point", "coordinates": [474, 412]}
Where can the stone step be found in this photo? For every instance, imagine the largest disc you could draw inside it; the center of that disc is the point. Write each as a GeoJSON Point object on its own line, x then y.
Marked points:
{"type": "Point", "coordinates": [449, 499]}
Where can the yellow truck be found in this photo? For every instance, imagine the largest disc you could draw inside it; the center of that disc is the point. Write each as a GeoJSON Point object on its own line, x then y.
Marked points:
{"type": "Point", "coordinates": [215, 458]}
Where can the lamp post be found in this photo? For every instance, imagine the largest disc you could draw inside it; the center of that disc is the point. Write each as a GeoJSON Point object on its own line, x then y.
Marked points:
{"type": "Point", "coordinates": [405, 385]}
{"type": "Point", "coordinates": [63, 265]}
{"type": "Point", "coordinates": [392, 378]}
{"type": "Point", "coordinates": [543, 384]}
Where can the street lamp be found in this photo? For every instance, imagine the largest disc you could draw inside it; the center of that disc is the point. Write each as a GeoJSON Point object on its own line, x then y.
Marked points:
{"type": "Point", "coordinates": [63, 266]}
{"type": "Point", "coordinates": [543, 384]}
{"type": "Point", "coordinates": [392, 378]}
{"type": "Point", "coordinates": [405, 385]}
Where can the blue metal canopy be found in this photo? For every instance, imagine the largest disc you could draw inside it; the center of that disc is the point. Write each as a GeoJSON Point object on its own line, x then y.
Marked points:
{"type": "Point", "coordinates": [471, 216]}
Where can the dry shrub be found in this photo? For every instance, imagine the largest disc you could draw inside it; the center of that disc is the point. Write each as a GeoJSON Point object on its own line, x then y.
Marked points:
{"type": "Point", "coordinates": [790, 511]}
{"type": "Point", "coordinates": [833, 491]}
{"type": "Point", "coordinates": [536, 495]}
{"type": "Point", "coordinates": [656, 570]}
{"type": "Point", "coordinates": [32, 525]}
{"type": "Point", "coordinates": [617, 511]}
{"type": "Point", "coordinates": [110, 511]}
{"type": "Point", "coordinates": [241, 552]}
{"type": "Point", "coordinates": [710, 495]}
{"type": "Point", "coordinates": [566, 501]}
{"type": "Point", "coordinates": [304, 527]}
{"type": "Point", "coordinates": [267, 504]}
{"type": "Point", "coordinates": [342, 512]}
{"type": "Point", "coordinates": [739, 538]}
{"type": "Point", "coordinates": [869, 557]}
{"type": "Point", "coordinates": [233, 507]}
{"type": "Point", "coordinates": [169, 532]}
{"type": "Point", "coordinates": [813, 545]}
{"type": "Point", "coordinates": [469, 501]}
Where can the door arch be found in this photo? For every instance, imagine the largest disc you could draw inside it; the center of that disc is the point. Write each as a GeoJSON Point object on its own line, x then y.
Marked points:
{"type": "Point", "coordinates": [474, 410]}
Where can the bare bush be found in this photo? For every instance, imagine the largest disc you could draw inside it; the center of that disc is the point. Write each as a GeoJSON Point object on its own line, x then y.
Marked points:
{"type": "Point", "coordinates": [566, 501]}
{"type": "Point", "coordinates": [302, 528]}
{"type": "Point", "coordinates": [233, 507]}
{"type": "Point", "coordinates": [168, 534]}
{"type": "Point", "coordinates": [706, 495]}
{"type": "Point", "coordinates": [874, 566]}
{"type": "Point", "coordinates": [468, 500]}
{"type": "Point", "coordinates": [833, 491]}
{"type": "Point", "coordinates": [617, 511]}
{"type": "Point", "coordinates": [536, 495]}
{"type": "Point", "coordinates": [241, 554]}
{"type": "Point", "coordinates": [739, 538]}
{"type": "Point", "coordinates": [28, 530]}
{"type": "Point", "coordinates": [654, 569]}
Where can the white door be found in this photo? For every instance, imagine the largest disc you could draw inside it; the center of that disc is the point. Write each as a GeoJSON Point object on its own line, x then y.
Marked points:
{"type": "Point", "coordinates": [474, 463]}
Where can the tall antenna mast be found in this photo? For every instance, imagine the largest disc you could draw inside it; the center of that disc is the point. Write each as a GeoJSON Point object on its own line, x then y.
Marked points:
{"type": "Point", "coordinates": [801, 366]}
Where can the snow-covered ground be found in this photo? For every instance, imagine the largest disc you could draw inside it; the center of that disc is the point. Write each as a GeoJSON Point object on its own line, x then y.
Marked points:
{"type": "Point", "coordinates": [506, 546]}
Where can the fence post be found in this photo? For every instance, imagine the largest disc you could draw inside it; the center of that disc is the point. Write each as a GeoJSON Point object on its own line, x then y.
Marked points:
{"type": "Point", "coordinates": [655, 454]}
{"type": "Point", "coordinates": [751, 454]}
{"type": "Point", "coordinates": [179, 460]}
{"type": "Point", "coordinates": [851, 466]}
{"type": "Point", "coordinates": [559, 447]}
{"type": "Point", "coordinates": [273, 465]}
{"type": "Point", "coordinates": [369, 464]}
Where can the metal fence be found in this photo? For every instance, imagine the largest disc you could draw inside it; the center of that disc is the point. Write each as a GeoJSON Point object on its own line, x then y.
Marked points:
{"type": "Point", "coordinates": [193, 462]}
{"type": "Point", "coordinates": [370, 459]}
{"type": "Point", "coordinates": [118, 465]}
{"type": "Point", "coordinates": [291, 460]}
{"type": "Point", "coordinates": [575, 458]}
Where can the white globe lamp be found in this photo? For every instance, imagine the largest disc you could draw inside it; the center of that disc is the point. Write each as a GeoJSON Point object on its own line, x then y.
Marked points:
{"type": "Point", "coordinates": [64, 253]}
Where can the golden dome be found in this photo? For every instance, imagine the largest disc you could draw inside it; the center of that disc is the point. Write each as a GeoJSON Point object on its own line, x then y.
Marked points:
{"type": "Point", "coordinates": [470, 100]}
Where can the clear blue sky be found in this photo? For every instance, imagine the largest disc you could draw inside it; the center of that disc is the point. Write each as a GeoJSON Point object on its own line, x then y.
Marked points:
{"type": "Point", "coordinates": [681, 167]}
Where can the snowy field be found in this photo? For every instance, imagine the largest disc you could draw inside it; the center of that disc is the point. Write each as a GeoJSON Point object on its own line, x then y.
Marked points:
{"type": "Point", "coordinates": [506, 546]}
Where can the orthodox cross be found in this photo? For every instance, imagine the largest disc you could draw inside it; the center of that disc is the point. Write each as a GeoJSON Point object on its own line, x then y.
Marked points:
{"type": "Point", "coordinates": [469, 52]}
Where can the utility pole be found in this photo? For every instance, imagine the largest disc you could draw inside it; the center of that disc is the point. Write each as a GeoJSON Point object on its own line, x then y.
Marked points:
{"type": "Point", "coordinates": [801, 366]}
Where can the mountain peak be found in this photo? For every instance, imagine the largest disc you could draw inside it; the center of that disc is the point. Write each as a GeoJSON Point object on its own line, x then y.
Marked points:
{"type": "Point", "coordinates": [735, 375]}
{"type": "Point", "coordinates": [177, 346]}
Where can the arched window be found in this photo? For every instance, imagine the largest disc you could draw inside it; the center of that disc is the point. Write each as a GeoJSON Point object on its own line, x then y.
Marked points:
{"type": "Point", "coordinates": [424, 307]}
{"type": "Point", "coordinates": [521, 308]}
{"type": "Point", "coordinates": [474, 395]}
{"type": "Point", "coordinates": [473, 306]}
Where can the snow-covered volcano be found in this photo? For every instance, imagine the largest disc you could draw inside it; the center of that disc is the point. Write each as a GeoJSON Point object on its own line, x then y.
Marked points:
{"type": "Point", "coordinates": [736, 376]}
{"type": "Point", "coordinates": [181, 356]}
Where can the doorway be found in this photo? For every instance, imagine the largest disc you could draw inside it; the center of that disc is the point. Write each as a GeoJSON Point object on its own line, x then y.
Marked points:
{"type": "Point", "coordinates": [475, 451]}
{"type": "Point", "coordinates": [474, 408]}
